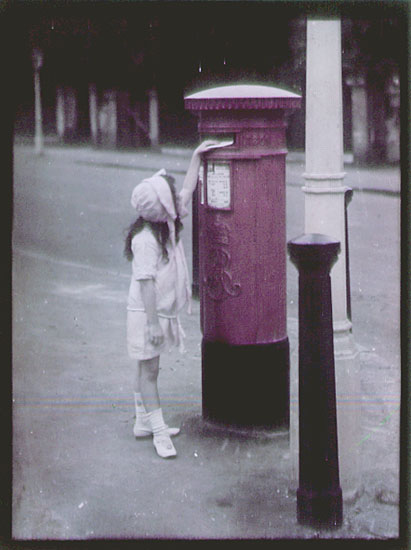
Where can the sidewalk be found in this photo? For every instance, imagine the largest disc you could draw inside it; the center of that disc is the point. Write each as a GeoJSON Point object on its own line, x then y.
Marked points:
{"type": "Point", "coordinates": [78, 471]}
{"type": "Point", "coordinates": [385, 179]}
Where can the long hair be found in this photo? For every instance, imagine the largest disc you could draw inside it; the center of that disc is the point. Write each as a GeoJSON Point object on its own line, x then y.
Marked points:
{"type": "Point", "coordinates": [159, 229]}
{"type": "Point", "coordinates": [177, 222]}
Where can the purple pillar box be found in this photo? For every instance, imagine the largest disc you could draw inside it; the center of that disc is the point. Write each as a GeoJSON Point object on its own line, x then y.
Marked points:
{"type": "Point", "coordinates": [242, 254]}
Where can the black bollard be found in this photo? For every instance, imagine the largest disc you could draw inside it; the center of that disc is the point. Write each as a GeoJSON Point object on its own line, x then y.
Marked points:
{"type": "Point", "coordinates": [319, 495]}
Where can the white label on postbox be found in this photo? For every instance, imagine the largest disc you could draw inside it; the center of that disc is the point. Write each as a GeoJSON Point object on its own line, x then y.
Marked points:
{"type": "Point", "coordinates": [218, 185]}
{"type": "Point", "coordinates": [201, 182]}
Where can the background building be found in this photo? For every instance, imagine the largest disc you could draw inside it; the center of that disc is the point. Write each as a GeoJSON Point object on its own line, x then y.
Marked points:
{"type": "Point", "coordinates": [101, 66]}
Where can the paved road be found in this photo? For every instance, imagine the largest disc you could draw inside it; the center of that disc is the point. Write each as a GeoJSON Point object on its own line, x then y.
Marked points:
{"type": "Point", "coordinates": [78, 472]}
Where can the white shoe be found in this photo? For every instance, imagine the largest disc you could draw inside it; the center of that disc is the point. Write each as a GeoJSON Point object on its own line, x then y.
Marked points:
{"type": "Point", "coordinates": [142, 428]}
{"type": "Point", "coordinates": [163, 445]}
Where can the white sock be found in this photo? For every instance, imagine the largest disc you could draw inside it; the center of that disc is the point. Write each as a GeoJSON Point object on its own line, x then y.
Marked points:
{"type": "Point", "coordinates": [140, 408]}
{"type": "Point", "coordinates": [156, 421]}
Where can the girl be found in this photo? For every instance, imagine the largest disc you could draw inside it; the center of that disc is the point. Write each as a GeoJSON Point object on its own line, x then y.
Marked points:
{"type": "Point", "coordinates": [158, 290]}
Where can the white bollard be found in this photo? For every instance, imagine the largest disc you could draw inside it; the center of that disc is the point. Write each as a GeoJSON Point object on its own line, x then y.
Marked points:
{"type": "Point", "coordinates": [154, 125]}
{"type": "Point", "coordinates": [37, 60]}
{"type": "Point", "coordinates": [93, 112]}
{"type": "Point", "coordinates": [359, 102]}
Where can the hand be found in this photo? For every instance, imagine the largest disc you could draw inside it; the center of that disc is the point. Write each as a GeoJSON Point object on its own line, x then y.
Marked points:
{"type": "Point", "coordinates": [206, 146]}
{"type": "Point", "coordinates": [155, 334]}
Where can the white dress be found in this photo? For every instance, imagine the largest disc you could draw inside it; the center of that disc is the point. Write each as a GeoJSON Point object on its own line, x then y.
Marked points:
{"type": "Point", "coordinates": [172, 288]}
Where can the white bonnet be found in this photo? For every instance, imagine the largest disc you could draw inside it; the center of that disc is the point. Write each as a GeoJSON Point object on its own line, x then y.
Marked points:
{"type": "Point", "coordinates": [149, 194]}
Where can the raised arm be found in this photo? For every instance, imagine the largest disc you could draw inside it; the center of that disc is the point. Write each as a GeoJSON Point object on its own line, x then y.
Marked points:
{"type": "Point", "coordinates": [190, 180]}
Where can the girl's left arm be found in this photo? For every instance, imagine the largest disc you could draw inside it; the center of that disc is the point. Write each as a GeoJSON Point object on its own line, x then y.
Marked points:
{"type": "Point", "coordinates": [148, 294]}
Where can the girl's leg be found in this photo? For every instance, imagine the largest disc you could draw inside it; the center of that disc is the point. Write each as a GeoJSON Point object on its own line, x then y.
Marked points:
{"type": "Point", "coordinates": [142, 426]}
{"type": "Point", "coordinates": [148, 375]}
{"type": "Point", "coordinates": [151, 400]}
{"type": "Point", "coordinates": [140, 409]}
{"type": "Point", "coordinates": [137, 378]}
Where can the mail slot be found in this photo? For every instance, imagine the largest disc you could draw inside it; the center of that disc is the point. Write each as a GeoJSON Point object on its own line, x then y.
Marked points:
{"type": "Point", "coordinates": [242, 254]}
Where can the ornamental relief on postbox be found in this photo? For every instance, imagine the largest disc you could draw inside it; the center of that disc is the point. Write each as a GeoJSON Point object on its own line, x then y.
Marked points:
{"type": "Point", "coordinates": [218, 279]}
{"type": "Point", "coordinates": [255, 139]}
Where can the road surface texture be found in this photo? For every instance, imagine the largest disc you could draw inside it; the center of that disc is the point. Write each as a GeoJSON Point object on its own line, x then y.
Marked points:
{"type": "Point", "coordinates": [78, 472]}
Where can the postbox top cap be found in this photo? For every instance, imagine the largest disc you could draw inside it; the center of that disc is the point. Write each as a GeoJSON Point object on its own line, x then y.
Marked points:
{"type": "Point", "coordinates": [243, 96]}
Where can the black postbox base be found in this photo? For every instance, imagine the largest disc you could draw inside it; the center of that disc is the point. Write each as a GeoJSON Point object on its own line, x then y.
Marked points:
{"type": "Point", "coordinates": [318, 509]}
{"type": "Point", "coordinates": [246, 385]}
